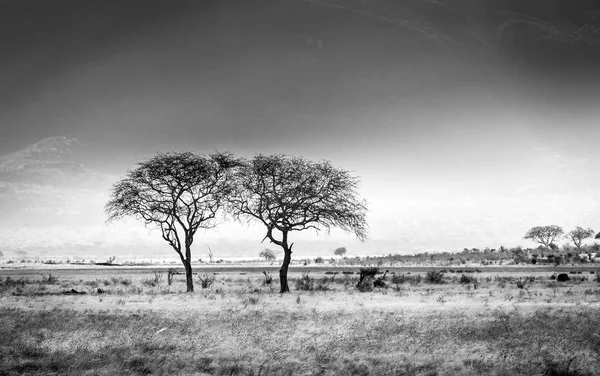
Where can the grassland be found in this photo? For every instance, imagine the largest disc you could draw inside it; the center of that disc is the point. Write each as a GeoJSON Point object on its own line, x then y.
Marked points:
{"type": "Point", "coordinates": [488, 323]}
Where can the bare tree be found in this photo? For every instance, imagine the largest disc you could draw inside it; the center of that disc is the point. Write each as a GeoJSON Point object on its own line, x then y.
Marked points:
{"type": "Point", "coordinates": [287, 194]}
{"type": "Point", "coordinates": [579, 234]}
{"type": "Point", "coordinates": [177, 193]}
{"type": "Point", "coordinates": [268, 254]}
{"type": "Point", "coordinates": [544, 235]}
{"type": "Point", "coordinates": [210, 255]}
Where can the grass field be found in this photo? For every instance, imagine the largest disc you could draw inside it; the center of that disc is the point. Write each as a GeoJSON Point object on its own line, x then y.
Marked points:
{"type": "Point", "coordinates": [513, 322]}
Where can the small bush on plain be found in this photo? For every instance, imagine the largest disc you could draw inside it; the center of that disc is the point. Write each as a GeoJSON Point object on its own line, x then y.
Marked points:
{"type": "Point", "coordinates": [464, 279]}
{"type": "Point", "coordinates": [434, 277]}
{"type": "Point", "coordinates": [305, 283]}
{"type": "Point", "coordinates": [206, 281]}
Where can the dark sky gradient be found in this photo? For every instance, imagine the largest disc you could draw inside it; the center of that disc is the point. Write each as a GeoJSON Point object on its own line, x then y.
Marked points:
{"type": "Point", "coordinates": [487, 124]}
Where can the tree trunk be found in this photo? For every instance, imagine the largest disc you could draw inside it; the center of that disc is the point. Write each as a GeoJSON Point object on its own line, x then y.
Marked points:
{"type": "Point", "coordinates": [284, 270]}
{"type": "Point", "coordinates": [187, 263]}
{"type": "Point", "coordinates": [188, 275]}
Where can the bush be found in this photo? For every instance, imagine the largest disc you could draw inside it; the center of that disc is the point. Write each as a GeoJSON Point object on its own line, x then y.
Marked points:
{"type": "Point", "coordinates": [170, 274]}
{"type": "Point", "coordinates": [398, 279]}
{"type": "Point", "coordinates": [305, 283]}
{"type": "Point", "coordinates": [365, 281]}
{"type": "Point", "coordinates": [467, 279]}
{"type": "Point", "coordinates": [50, 280]}
{"type": "Point", "coordinates": [148, 282]}
{"type": "Point", "coordinates": [323, 284]}
{"type": "Point", "coordinates": [434, 277]}
{"type": "Point", "coordinates": [206, 281]}
{"type": "Point", "coordinates": [368, 272]}
{"type": "Point", "coordinates": [268, 278]}
{"type": "Point", "coordinates": [366, 285]}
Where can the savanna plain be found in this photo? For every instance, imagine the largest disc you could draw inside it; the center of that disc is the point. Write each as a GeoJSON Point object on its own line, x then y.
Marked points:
{"type": "Point", "coordinates": [419, 321]}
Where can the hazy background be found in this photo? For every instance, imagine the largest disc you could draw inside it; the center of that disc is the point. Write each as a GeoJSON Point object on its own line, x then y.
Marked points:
{"type": "Point", "coordinates": [469, 121]}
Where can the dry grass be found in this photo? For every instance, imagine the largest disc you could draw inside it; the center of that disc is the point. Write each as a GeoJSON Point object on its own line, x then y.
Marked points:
{"type": "Point", "coordinates": [242, 326]}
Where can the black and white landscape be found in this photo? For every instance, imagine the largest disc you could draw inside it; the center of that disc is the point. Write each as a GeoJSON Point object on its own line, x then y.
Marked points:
{"type": "Point", "coordinates": [425, 169]}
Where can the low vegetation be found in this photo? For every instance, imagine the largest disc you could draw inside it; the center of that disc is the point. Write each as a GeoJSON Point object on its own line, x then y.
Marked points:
{"type": "Point", "coordinates": [370, 322]}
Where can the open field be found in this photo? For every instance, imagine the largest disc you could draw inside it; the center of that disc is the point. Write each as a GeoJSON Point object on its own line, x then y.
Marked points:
{"type": "Point", "coordinates": [514, 321]}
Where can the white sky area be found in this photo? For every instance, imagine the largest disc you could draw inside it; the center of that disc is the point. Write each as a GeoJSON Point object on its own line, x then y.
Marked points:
{"type": "Point", "coordinates": [453, 151]}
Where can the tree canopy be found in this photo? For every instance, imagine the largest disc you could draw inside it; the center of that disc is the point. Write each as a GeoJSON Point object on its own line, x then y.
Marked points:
{"type": "Point", "coordinates": [341, 251]}
{"type": "Point", "coordinates": [287, 193]}
{"type": "Point", "coordinates": [268, 254]}
{"type": "Point", "coordinates": [544, 235]}
{"type": "Point", "coordinates": [178, 193]}
{"type": "Point", "coordinates": [579, 234]}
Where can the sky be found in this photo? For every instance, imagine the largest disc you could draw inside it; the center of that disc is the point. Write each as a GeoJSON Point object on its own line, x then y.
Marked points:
{"type": "Point", "coordinates": [468, 122]}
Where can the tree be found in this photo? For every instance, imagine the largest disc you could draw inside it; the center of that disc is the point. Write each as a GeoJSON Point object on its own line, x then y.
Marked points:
{"type": "Point", "coordinates": [544, 235]}
{"type": "Point", "coordinates": [341, 251]}
{"type": "Point", "coordinates": [579, 234]}
{"type": "Point", "coordinates": [268, 254]}
{"type": "Point", "coordinates": [598, 235]}
{"type": "Point", "coordinates": [288, 194]}
{"type": "Point", "coordinates": [177, 193]}
{"type": "Point", "coordinates": [210, 255]}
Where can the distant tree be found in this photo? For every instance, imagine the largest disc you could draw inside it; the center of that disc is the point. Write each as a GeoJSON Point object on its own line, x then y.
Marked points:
{"type": "Point", "coordinates": [177, 193]}
{"type": "Point", "coordinates": [287, 194]}
{"type": "Point", "coordinates": [210, 255]}
{"type": "Point", "coordinates": [319, 260]}
{"type": "Point", "coordinates": [598, 235]}
{"type": "Point", "coordinates": [268, 254]}
{"type": "Point", "coordinates": [544, 235]}
{"type": "Point", "coordinates": [579, 234]}
{"type": "Point", "coordinates": [341, 251]}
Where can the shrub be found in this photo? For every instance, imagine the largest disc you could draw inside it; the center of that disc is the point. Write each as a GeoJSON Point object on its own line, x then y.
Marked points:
{"type": "Point", "coordinates": [467, 279]}
{"type": "Point", "coordinates": [367, 272]}
{"type": "Point", "coordinates": [366, 285]}
{"type": "Point", "coordinates": [398, 279]}
{"type": "Point", "coordinates": [268, 278]}
{"type": "Point", "coordinates": [50, 280]}
{"type": "Point", "coordinates": [206, 281]}
{"type": "Point", "coordinates": [148, 282]}
{"type": "Point", "coordinates": [305, 283]}
{"type": "Point", "coordinates": [170, 273]}
{"type": "Point", "coordinates": [323, 284]}
{"type": "Point", "coordinates": [380, 282]}
{"type": "Point", "coordinates": [434, 277]}
{"type": "Point", "coordinates": [365, 281]}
